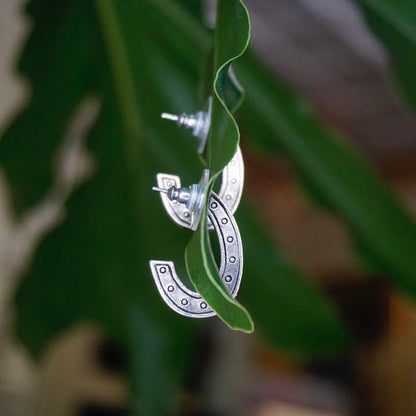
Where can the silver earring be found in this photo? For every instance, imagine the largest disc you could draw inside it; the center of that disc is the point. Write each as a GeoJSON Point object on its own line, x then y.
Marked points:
{"type": "Point", "coordinates": [232, 176]}
{"type": "Point", "coordinates": [198, 123]}
{"type": "Point", "coordinates": [176, 295]}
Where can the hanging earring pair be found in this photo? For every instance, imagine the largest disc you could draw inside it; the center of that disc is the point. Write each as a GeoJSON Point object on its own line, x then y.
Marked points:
{"type": "Point", "coordinates": [185, 205]}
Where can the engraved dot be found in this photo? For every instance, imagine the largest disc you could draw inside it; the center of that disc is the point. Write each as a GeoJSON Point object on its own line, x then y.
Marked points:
{"type": "Point", "coordinates": [184, 301]}
{"type": "Point", "coordinates": [234, 181]}
{"type": "Point", "coordinates": [228, 279]}
{"type": "Point", "coordinates": [230, 239]}
{"type": "Point", "coordinates": [214, 205]}
{"type": "Point", "coordinates": [171, 288]}
{"type": "Point", "coordinates": [203, 305]}
{"type": "Point", "coordinates": [232, 259]}
{"type": "Point", "coordinates": [228, 197]}
{"type": "Point", "coordinates": [162, 270]}
{"type": "Point", "coordinates": [186, 214]}
{"type": "Point", "coordinates": [224, 221]}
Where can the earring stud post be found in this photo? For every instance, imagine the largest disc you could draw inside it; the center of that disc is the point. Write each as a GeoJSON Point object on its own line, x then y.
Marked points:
{"type": "Point", "coordinates": [168, 116]}
{"type": "Point", "coordinates": [157, 189]}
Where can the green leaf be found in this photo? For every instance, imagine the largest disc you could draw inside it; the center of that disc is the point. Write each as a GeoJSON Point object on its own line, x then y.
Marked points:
{"type": "Point", "coordinates": [393, 21]}
{"type": "Point", "coordinates": [94, 267]}
{"type": "Point", "coordinates": [232, 33]}
{"type": "Point", "coordinates": [336, 173]}
{"type": "Point", "coordinates": [71, 37]}
{"type": "Point", "coordinates": [205, 276]}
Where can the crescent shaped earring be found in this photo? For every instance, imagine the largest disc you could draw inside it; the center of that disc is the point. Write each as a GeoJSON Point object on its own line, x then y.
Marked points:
{"type": "Point", "coordinates": [176, 295]}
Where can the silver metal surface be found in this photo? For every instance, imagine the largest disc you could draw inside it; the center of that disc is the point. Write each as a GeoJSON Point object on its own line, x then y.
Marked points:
{"type": "Point", "coordinates": [179, 213]}
{"type": "Point", "coordinates": [183, 300]}
{"type": "Point", "coordinates": [174, 197]}
{"type": "Point", "coordinates": [198, 123]}
{"type": "Point", "coordinates": [232, 182]}
{"type": "Point", "coordinates": [230, 192]}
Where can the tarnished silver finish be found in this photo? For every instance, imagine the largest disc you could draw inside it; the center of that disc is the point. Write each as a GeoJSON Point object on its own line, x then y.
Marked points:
{"type": "Point", "coordinates": [198, 123]}
{"type": "Point", "coordinates": [183, 300]}
{"type": "Point", "coordinates": [230, 192]}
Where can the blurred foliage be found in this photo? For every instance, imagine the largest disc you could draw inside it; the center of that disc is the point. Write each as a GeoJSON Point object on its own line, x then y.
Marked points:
{"type": "Point", "coordinates": [393, 21]}
{"type": "Point", "coordinates": [336, 177]}
{"type": "Point", "coordinates": [141, 58]}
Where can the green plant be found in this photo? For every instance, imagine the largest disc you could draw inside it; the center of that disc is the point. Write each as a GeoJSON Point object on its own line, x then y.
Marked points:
{"type": "Point", "coordinates": [139, 58]}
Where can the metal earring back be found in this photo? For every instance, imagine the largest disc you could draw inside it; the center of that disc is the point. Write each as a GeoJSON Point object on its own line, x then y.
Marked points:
{"type": "Point", "coordinates": [198, 123]}
{"type": "Point", "coordinates": [192, 198]}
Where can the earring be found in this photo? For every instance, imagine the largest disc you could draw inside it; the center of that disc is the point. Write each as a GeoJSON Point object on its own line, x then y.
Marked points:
{"type": "Point", "coordinates": [232, 176]}
{"type": "Point", "coordinates": [176, 295]}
